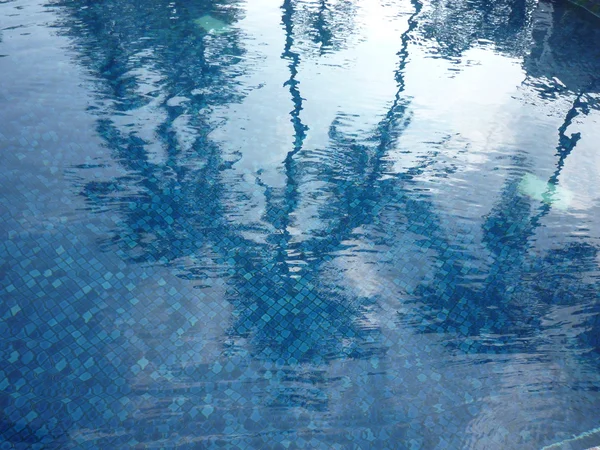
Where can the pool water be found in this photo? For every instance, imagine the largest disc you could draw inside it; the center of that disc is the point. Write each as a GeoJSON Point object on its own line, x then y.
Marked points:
{"type": "Point", "coordinates": [320, 224]}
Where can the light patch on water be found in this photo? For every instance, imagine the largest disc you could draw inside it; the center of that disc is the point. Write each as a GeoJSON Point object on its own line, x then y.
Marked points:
{"type": "Point", "coordinates": [540, 190]}
{"type": "Point", "coordinates": [211, 24]}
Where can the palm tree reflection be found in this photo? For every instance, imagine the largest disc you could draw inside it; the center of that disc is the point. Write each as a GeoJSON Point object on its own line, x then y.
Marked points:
{"type": "Point", "coordinates": [288, 312]}
{"type": "Point", "coordinates": [506, 23]}
{"type": "Point", "coordinates": [173, 206]}
{"type": "Point", "coordinates": [508, 233]}
{"type": "Point", "coordinates": [282, 302]}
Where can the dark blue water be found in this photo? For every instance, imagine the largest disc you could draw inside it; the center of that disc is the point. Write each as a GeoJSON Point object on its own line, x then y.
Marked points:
{"type": "Point", "coordinates": [299, 225]}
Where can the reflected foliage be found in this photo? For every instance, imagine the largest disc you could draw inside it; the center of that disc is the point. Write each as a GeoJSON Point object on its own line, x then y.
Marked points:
{"type": "Point", "coordinates": [179, 188]}
{"type": "Point", "coordinates": [457, 25]}
{"type": "Point", "coordinates": [156, 84]}
{"type": "Point", "coordinates": [338, 289]}
{"type": "Point", "coordinates": [175, 211]}
{"type": "Point", "coordinates": [324, 26]}
{"type": "Point", "coordinates": [561, 35]}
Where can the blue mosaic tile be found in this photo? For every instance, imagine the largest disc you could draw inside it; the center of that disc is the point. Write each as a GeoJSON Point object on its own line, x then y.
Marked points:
{"type": "Point", "coordinates": [165, 284]}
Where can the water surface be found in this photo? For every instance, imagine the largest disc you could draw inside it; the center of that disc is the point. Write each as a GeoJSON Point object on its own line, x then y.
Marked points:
{"type": "Point", "coordinates": [309, 224]}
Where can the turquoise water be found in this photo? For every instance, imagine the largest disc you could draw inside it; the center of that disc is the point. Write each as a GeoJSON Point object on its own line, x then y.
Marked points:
{"type": "Point", "coordinates": [308, 224]}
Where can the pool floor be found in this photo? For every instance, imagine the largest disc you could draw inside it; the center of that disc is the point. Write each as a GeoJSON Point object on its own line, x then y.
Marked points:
{"type": "Point", "coordinates": [312, 224]}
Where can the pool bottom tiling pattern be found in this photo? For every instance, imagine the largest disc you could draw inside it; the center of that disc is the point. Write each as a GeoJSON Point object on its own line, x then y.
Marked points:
{"type": "Point", "coordinates": [299, 225]}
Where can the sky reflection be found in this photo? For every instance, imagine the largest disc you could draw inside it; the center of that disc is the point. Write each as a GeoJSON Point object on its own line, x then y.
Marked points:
{"type": "Point", "coordinates": [304, 224]}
